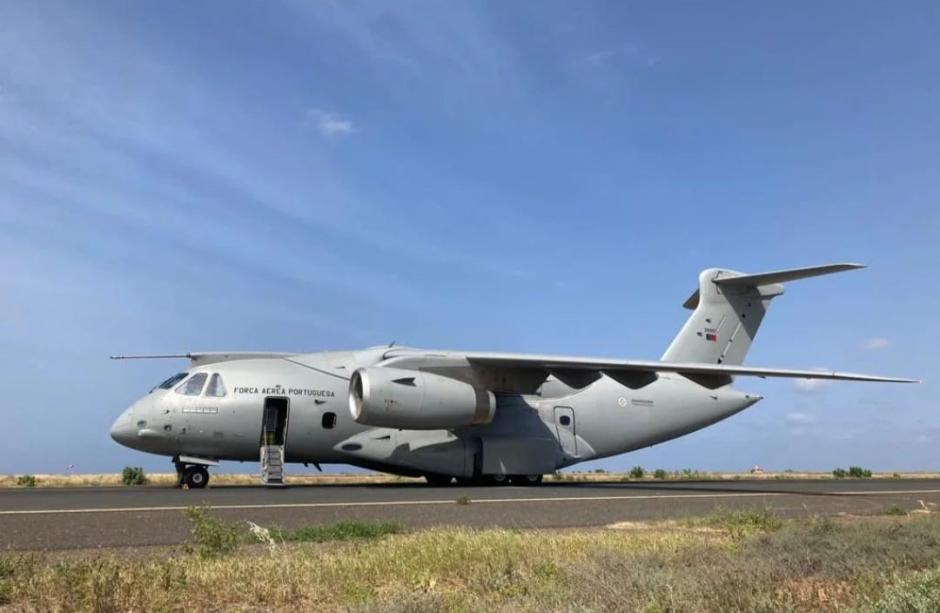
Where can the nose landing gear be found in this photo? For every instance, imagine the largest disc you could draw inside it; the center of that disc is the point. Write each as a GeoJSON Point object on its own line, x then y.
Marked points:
{"type": "Point", "coordinates": [193, 476]}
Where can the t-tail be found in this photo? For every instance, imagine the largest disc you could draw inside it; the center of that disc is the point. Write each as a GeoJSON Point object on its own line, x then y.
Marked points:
{"type": "Point", "coordinates": [728, 308]}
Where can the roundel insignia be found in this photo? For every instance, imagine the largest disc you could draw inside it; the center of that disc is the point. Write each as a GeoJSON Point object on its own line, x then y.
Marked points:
{"type": "Point", "coordinates": [622, 401]}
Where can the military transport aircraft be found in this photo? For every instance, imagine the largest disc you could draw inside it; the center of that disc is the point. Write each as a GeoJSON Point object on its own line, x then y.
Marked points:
{"type": "Point", "coordinates": [470, 416]}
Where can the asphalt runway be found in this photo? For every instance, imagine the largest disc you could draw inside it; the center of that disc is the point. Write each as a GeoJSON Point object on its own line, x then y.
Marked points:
{"type": "Point", "coordinates": [74, 518]}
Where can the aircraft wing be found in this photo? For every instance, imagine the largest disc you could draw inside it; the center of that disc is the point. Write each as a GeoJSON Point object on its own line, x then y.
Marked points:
{"type": "Point", "coordinates": [524, 373]}
{"type": "Point", "coordinates": [695, 368]}
{"type": "Point", "coordinates": [207, 357]}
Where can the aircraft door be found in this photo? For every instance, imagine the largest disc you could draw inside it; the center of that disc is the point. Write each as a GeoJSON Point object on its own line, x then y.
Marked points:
{"type": "Point", "coordinates": [564, 426]}
{"type": "Point", "coordinates": [274, 421]}
{"type": "Point", "coordinates": [273, 435]}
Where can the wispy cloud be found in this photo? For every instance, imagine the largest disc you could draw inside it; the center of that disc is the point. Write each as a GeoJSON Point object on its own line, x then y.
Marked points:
{"type": "Point", "coordinates": [625, 51]}
{"type": "Point", "coordinates": [809, 386]}
{"type": "Point", "coordinates": [329, 124]}
{"type": "Point", "coordinates": [875, 343]}
{"type": "Point", "coordinates": [799, 419]}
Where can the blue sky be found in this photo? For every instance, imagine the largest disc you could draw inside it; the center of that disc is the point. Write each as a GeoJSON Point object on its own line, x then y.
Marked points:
{"type": "Point", "coordinates": [541, 177]}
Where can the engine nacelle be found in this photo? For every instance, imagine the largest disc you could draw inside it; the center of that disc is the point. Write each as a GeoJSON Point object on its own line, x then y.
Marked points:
{"type": "Point", "coordinates": [415, 400]}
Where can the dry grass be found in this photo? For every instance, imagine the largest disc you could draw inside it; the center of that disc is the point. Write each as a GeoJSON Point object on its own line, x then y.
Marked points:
{"type": "Point", "coordinates": [742, 562]}
{"type": "Point", "coordinates": [168, 479]}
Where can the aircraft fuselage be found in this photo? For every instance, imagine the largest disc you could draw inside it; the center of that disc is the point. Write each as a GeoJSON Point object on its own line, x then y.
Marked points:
{"type": "Point", "coordinates": [530, 434]}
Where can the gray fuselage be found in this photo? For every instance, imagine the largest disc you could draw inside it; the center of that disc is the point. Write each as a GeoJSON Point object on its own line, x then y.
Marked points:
{"type": "Point", "coordinates": [530, 433]}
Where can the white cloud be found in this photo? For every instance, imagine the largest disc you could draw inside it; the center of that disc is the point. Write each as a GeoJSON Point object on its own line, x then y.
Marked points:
{"type": "Point", "coordinates": [809, 385]}
{"type": "Point", "coordinates": [875, 343]}
{"type": "Point", "coordinates": [329, 124]}
{"type": "Point", "coordinates": [797, 418]}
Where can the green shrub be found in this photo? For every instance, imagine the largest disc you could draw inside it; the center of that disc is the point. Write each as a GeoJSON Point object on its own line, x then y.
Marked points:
{"type": "Point", "coordinates": [858, 472]}
{"type": "Point", "coordinates": [26, 481]}
{"type": "Point", "coordinates": [133, 475]}
{"type": "Point", "coordinates": [839, 473]}
{"type": "Point", "coordinates": [212, 537]}
{"type": "Point", "coordinates": [7, 572]}
{"type": "Point", "coordinates": [742, 523]}
{"type": "Point", "coordinates": [894, 510]}
{"type": "Point", "coordinates": [660, 474]}
{"type": "Point", "coordinates": [341, 531]}
{"type": "Point", "coordinates": [463, 500]}
{"type": "Point", "coordinates": [918, 593]}
{"type": "Point", "coordinates": [637, 472]}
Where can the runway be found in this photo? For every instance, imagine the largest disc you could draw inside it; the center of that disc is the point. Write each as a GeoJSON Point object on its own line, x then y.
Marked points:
{"type": "Point", "coordinates": [71, 518]}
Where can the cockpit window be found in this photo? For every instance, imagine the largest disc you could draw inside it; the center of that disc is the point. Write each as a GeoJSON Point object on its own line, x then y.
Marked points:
{"type": "Point", "coordinates": [172, 381]}
{"type": "Point", "coordinates": [193, 385]}
{"type": "Point", "coordinates": [216, 387]}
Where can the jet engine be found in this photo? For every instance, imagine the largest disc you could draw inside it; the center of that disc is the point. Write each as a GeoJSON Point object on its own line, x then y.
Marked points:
{"type": "Point", "coordinates": [415, 400]}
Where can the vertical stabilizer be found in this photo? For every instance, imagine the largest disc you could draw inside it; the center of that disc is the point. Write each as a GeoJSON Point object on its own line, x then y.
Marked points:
{"type": "Point", "coordinates": [728, 308]}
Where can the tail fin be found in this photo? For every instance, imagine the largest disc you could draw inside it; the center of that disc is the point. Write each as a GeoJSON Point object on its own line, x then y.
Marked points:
{"type": "Point", "coordinates": [728, 309]}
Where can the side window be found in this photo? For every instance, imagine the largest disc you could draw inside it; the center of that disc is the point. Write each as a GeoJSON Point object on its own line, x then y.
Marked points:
{"type": "Point", "coordinates": [329, 420]}
{"type": "Point", "coordinates": [216, 387]}
{"type": "Point", "coordinates": [172, 381]}
{"type": "Point", "coordinates": [193, 385]}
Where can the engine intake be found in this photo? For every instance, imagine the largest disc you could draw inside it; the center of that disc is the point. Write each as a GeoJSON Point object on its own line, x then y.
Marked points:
{"type": "Point", "coordinates": [415, 400]}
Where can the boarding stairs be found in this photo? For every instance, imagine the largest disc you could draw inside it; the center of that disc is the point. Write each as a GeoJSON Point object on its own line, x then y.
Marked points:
{"type": "Point", "coordinates": [272, 465]}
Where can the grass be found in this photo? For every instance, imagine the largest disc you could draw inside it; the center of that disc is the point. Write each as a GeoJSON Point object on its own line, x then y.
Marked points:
{"type": "Point", "coordinates": [745, 561]}
{"type": "Point", "coordinates": [168, 479]}
{"type": "Point", "coordinates": [214, 538]}
{"type": "Point", "coordinates": [738, 524]}
{"type": "Point", "coordinates": [341, 531]}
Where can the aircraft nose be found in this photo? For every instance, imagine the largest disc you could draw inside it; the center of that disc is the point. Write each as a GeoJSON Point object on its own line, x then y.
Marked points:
{"type": "Point", "coordinates": [122, 430]}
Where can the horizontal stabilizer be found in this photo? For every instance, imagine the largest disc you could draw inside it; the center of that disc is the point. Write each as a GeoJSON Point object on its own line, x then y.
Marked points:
{"type": "Point", "coordinates": [781, 276]}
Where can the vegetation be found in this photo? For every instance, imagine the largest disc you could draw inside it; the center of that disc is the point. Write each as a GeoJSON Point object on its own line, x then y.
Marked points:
{"type": "Point", "coordinates": [26, 481]}
{"type": "Point", "coordinates": [133, 475]}
{"type": "Point", "coordinates": [463, 500]}
{"type": "Point", "coordinates": [637, 472]}
{"type": "Point", "coordinates": [920, 592]}
{"type": "Point", "coordinates": [731, 561]}
{"type": "Point", "coordinates": [342, 531]}
{"type": "Point", "coordinates": [856, 472]}
{"type": "Point", "coordinates": [213, 538]}
{"type": "Point", "coordinates": [739, 524]}
{"type": "Point", "coordinates": [169, 479]}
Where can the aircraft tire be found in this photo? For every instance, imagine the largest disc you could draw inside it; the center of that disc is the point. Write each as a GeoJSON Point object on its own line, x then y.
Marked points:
{"type": "Point", "coordinates": [527, 480]}
{"type": "Point", "coordinates": [438, 480]}
{"type": "Point", "coordinates": [196, 477]}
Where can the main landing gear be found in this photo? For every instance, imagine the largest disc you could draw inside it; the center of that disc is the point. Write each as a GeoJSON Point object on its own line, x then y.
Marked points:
{"type": "Point", "coordinates": [193, 476]}
{"type": "Point", "coordinates": [436, 480]}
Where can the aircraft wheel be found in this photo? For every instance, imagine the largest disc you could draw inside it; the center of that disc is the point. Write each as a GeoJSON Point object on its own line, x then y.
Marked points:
{"type": "Point", "coordinates": [499, 479]}
{"type": "Point", "coordinates": [438, 480]}
{"type": "Point", "coordinates": [526, 479]}
{"type": "Point", "coordinates": [196, 477]}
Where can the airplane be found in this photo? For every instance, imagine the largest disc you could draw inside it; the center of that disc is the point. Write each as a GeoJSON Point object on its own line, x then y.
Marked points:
{"type": "Point", "coordinates": [473, 417]}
